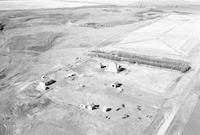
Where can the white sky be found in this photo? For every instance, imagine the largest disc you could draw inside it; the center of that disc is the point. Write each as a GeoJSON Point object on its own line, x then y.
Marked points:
{"type": "Point", "coordinates": [35, 4]}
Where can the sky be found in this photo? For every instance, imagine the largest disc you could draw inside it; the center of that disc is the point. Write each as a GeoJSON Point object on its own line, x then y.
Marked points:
{"type": "Point", "coordinates": [35, 4]}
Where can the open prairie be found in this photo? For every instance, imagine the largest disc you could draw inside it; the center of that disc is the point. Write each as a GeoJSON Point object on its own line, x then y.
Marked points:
{"type": "Point", "coordinates": [92, 68]}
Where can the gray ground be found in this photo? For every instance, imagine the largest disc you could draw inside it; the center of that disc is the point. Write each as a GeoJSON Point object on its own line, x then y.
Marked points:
{"type": "Point", "coordinates": [192, 126]}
